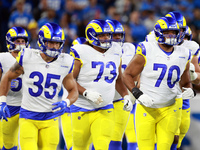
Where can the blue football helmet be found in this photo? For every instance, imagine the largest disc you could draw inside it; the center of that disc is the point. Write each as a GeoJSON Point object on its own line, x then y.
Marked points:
{"type": "Point", "coordinates": [188, 33]}
{"type": "Point", "coordinates": [13, 34]}
{"type": "Point", "coordinates": [181, 22]}
{"type": "Point", "coordinates": [117, 28]}
{"type": "Point", "coordinates": [51, 32]}
{"type": "Point", "coordinates": [79, 40]}
{"type": "Point", "coordinates": [95, 28]}
{"type": "Point", "coordinates": [166, 24]}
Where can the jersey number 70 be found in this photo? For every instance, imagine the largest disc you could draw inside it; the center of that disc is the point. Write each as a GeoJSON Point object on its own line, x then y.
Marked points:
{"type": "Point", "coordinates": [169, 76]}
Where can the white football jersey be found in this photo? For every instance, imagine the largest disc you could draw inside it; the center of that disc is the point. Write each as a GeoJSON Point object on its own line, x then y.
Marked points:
{"type": "Point", "coordinates": [151, 37]}
{"type": "Point", "coordinates": [191, 45]}
{"type": "Point", "coordinates": [162, 72]}
{"type": "Point", "coordinates": [14, 96]}
{"type": "Point", "coordinates": [127, 54]}
{"type": "Point", "coordinates": [41, 80]}
{"type": "Point", "coordinates": [98, 72]}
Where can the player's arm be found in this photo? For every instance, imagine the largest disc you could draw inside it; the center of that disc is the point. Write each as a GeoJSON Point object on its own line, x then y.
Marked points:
{"type": "Point", "coordinates": [132, 71]}
{"type": "Point", "coordinates": [15, 71]}
{"type": "Point", "coordinates": [130, 75]}
{"type": "Point", "coordinates": [122, 90]}
{"type": "Point", "coordinates": [185, 78]}
{"type": "Point", "coordinates": [0, 73]}
{"type": "Point", "coordinates": [186, 85]}
{"type": "Point", "coordinates": [88, 94]}
{"type": "Point", "coordinates": [77, 68]}
{"type": "Point", "coordinates": [70, 85]}
{"type": "Point", "coordinates": [195, 70]}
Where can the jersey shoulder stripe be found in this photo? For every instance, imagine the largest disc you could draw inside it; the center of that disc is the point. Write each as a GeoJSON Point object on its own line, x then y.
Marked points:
{"type": "Point", "coordinates": [20, 56]}
{"type": "Point", "coordinates": [141, 50]}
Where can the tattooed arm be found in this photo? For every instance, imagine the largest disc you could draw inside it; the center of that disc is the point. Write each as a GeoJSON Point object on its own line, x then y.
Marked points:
{"type": "Point", "coordinates": [15, 71]}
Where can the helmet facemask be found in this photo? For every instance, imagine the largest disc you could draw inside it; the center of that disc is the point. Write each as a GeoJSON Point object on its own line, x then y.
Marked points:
{"type": "Point", "coordinates": [120, 41]}
{"type": "Point", "coordinates": [104, 44]}
{"type": "Point", "coordinates": [170, 39]}
{"type": "Point", "coordinates": [51, 52]}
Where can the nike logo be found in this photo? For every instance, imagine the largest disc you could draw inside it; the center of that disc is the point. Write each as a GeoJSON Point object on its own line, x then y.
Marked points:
{"type": "Point", "coordinates": [175, 110]}
{"type": "Point", "coordinates": [55, 119]}
{"type": "Point", "coordinates": [109, 111]}
{"type": "Point", "coordinates": [64, 66]}
{"type": "Point", "coordinates": [188, 111]}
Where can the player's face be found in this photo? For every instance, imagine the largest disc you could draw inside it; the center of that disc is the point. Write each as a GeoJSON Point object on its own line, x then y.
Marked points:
{"type": "Point", "coordinates": [19, 44]}
{"type": "Point", "coordinates": [52, 44]}
{"type": "Point", "coordinates": [181, 32]}
{"type": "Point", "coordinates": [20, 41]}
{"type": "Point", "coordinates": [169, 33]}
{"type": "Point", "coordinates": [117, 36]}
{"type": "Point", "coordinates": [104, 36]}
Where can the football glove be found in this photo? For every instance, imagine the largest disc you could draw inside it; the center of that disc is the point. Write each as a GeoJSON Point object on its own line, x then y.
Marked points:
{"type": "Point", "coordinates": [142, 98]}
{"type": "Point", "coordinates": [61, 106]}
{"type": "Point", "coordinates": [193, 74]}
{"type": "Point", "coordinates": [145, 100]}
{"type": "Point", "coordinates": [188, 93]}
{"type": "Point", "coordinates": [93, 96]}
{"type": "Point", "coordinates": [3, 108]}
{"type": "Point", "coordinates": [128, 105]}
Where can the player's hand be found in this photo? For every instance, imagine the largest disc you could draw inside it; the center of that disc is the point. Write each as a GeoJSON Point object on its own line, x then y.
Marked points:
{"type": "Point", "coordinates": [93, 96]}
{"type": "Point", "coordinates": [145, 100]}
{"type": "Point", "coordinates": [133, 99]}
{"type": "Point", "coordinates": [128, 105]}
{"type": "Point", "coordinates": [188, 93]}
{"type": "Point", "coordinates": [193, 74]}
{"type": "Point", "coordinates": [4, 110]}
{"type": "Point", "coordinates": [61, 106]}
{"type": "Point", "coordinates": [142, 98]}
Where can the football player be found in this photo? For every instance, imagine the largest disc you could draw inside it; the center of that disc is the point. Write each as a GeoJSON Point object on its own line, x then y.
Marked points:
{"type": "Point", "coordinates": [162, 66]}
{"type": "Point", "coordinates": [44, 71]}
{"type": "Point", "coordinates": [121, 116]}
{"type": "Point", "coordinates": [16, 40]}
{"type": "Point", "coordinates": [194, 74]}
{"type": "Point", "coordinates": [97, 72]}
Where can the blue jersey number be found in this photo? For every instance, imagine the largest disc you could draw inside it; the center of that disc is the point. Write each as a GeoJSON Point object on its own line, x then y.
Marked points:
{"type": "Point", "coordinates": [16, 84]}
{"type": "Point", "coordinates": [110, 64]}
{"type": "Point", "coordinates": [170, 72]}
{"type": "Point", "coordinates": [124, 66]}
{"type": "Point", "coordinates": [48, 84]}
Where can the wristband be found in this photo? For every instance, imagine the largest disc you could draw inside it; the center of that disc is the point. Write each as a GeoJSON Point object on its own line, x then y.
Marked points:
{"type": "Point", "coordinates": [2, 98]}
{"type": "Point", "coordinates": [67, 101]}
{"type": "Point", "coordinates": [136, 92]}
